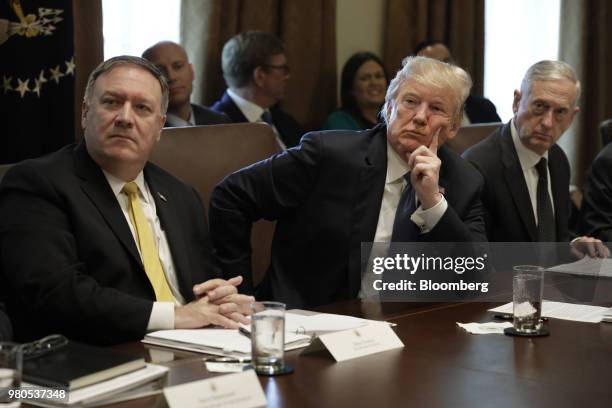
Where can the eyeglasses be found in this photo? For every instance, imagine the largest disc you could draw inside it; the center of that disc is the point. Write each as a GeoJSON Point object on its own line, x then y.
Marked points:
{"type": "Point", "coordinates": [284, 68]}
{"type": "Point", "coordinates": [43, 346]}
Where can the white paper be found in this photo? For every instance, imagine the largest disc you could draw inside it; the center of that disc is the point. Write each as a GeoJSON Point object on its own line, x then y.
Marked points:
{"type": "Point", "coordinates": [322, 322]}
{"type": "Point", "coordinates": [345, 345]}
{"type": "Point", "coordinates": [586, 266]}
{"type": "Point", "coordinates": [485, 328]}
{"type": "Point", "coordinates": [215, 367]}
{"type": "Point", "coordinates": [238, 390]}
{"type": "Point", "coordinates": [224, 342]}
{"type": "Point", "coordinates": [563, 311]}
{"type": "Point", "coordinates": [109, 388]}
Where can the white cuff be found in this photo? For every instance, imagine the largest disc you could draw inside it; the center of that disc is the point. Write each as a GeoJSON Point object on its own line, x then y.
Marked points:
{"type": "Point", "coordinates": [426, 220]}
{"type": "Point", "coordinates": [162, 316]}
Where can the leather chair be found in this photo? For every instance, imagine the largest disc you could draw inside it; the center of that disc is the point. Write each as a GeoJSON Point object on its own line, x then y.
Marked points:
{"type": "Point", "coordinates": [3, 169]}
{"type": "Point", "coordinates": [203, 155]}
{"type": "Point", "coordinates": [469, 135]}
{"type": "Point", "coordinates": [605, 128]}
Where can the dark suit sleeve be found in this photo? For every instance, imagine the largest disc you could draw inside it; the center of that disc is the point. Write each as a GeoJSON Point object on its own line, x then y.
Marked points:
{"type": "Point", "coordinates": [596, 213]}
{"type": "Point", "coordinates": [48, 281]}
{"type": "Point", "coordinates": [470, 227]}
{"type": "Point", "coordinates": [268, 189]}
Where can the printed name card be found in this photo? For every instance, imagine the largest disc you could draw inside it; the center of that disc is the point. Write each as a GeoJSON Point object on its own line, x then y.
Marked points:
{"type": "Point", "coordinates": [348, 344]}
{"type": "Point", "coordinates": [239, 390]}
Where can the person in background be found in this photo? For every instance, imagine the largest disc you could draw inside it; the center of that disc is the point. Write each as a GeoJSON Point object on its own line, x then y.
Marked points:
{"type": "Point", "coordinates": [362, 93]}
{"type": "Point", "coordinates": [171, 59]}
{"type": "Point", "coordinates": [256, 71]}
{"type": "Point", "coordinates": [477, 109]}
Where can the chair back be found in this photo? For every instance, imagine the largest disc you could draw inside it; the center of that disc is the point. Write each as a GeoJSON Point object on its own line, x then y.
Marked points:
{"type": "Point", "coordinates": [605, 128]}
{"type": "Point", "coordinates": [3, 169]}
{"type": "Point", "coordinates": [203, 155]}
{"type": "Point", "coordinates": [469, 135]}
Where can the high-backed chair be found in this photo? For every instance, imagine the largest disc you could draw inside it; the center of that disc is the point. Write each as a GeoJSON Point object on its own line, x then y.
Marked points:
{"type": "Point", "coordinates": [3, 169]}
{"type": "Point", "coordinates": [469, 135]}
{"type": "Point", "coordinates": [204, 155]}
{"type": "Point", "coordinates": [605, 128]}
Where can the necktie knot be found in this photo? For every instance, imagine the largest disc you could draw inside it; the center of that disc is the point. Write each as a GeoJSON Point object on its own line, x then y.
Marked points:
{"type": "Point", "coordinates": [541, 167]}
{"type": "Point", "coordinates": [130, 188]}
{"type": "Point", "coordinates": [266, 116]}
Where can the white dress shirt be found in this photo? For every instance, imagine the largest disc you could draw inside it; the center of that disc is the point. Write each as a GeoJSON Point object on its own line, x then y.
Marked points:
{"type": "Point", "coordinates": [176, 121]}
{"type": "Point", "coordinates": [162, 314]}
{"type": "Point", "coordinates": [253, 113]}
{"type": "Point", "coordinates": [395, 184]}
{"type": "Point", "coordinates": [528, 160]}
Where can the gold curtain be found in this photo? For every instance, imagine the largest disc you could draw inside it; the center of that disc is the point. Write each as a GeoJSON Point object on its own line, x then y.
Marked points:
{"type": "Point", "coordinates": [459, 24]}
{"type": "Point", "coordinates": [586, 44]}
{"type": "Point", "coordinates": [88, 49]}
{"type": "Point", "coordinates": [307, 29]}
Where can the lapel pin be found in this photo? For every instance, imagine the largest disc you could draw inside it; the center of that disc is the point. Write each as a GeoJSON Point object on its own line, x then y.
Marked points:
{"type": "Point", "coordinates": [162, 197]}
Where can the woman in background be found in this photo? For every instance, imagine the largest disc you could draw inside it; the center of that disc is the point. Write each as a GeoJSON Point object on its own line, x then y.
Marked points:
{"type": "Point", "coordinates": [362, 93]}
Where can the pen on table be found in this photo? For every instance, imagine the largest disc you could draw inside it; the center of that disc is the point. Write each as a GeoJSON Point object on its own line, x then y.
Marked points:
{"type": "Point", "coordinates": [244, 332]}
{"type": "Point", "coordinates": [226, 360]}
{"type": "Point", "coordinates": [508, 316]}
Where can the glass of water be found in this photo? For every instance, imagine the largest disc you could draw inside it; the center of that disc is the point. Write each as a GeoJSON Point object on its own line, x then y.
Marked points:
{"type": "Point", "coordinates": [11, 361]}
{"type": "Point", "coordinates": [527, 286]}
{"type": "Point", "coordinates": [268, 337]}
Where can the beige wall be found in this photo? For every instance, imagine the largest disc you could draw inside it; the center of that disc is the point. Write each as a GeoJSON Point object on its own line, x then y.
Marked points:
{"type": "Point", "coordinates": [359, 27]}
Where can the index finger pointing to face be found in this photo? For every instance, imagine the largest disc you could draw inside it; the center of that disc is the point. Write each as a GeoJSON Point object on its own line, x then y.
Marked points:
{"type": "Point", "coordinates": [433, 146]}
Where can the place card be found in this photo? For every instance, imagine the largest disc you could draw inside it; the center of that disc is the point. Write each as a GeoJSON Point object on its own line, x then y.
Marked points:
{"type": "Point", "coordinates": [239, 390]}
{"type": "Point", "coordinates": [348, 344]}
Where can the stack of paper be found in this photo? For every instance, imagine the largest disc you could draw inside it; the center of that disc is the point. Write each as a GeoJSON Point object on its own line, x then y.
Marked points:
{"type": "Point", "coordinates": [146, 381]}
{"type": "Point", "coordinates": [588, 266]}
{"type": "Point", "coordinates": [607, 316]}
{"type": "Point", "coordinates": [563, 311]}
{"type": "Point", "coordinates": [299, 330]}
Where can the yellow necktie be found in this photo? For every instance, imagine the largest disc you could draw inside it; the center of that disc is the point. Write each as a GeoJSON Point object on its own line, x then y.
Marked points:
{"type": "Point", "coordinates": [146, 243]}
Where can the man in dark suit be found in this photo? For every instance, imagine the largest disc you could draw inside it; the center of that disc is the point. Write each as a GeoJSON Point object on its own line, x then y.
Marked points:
{"type": "Point", "coordinates": [100, 245]}
{"type": "Point", "coordinates": [171, 59]}
{"type": "Point", "coordinates": [477, 109]}
{"type": "Point", "coordinates": [596, 212]}
{"type": "Point", "coordinates": [338, 189]}
{"type": "Point", "coordinates": [256, 71]}
{"type": "Point", "coordinates": [526, 173]}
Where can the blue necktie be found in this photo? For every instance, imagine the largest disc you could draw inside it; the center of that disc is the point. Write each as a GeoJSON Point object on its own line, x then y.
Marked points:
{"type": "Point", "coordinates": [404, 230]}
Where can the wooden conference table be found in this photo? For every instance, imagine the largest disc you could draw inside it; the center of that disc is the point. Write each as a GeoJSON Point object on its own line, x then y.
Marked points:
{"type": "Point", "coordinates": [440, 366]}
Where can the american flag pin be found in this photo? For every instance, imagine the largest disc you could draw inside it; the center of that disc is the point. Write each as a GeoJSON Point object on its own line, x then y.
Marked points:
{"type": "Point", "coordinates": [162, 197]}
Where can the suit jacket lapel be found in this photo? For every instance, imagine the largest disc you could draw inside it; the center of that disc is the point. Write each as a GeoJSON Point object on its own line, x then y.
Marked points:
{"type": "Point", "coordinates": [516, 181]}
{"type": "Point", "coordinates": [367, 201]}
{"type": "Point", "coordinates": [232, 110]}
{"type": "Point", "coordinates": [95, 186]}
{"type": "Point", "coordinates": [170, 223]}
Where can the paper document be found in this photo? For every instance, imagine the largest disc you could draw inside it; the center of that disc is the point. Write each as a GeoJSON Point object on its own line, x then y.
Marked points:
{"type": "Point", "coordinates": [587, 266]}
{"type": "Point", "coordinates": [563, 311]}
{"type": "Point", "coordinates": [108, 390]}
{"type": "Point", "coordinates": [221, 342]}
{"type": "Point", "coordinates": [322, 322]}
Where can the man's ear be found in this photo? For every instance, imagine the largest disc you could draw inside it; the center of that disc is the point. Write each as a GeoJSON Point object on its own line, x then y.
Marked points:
{"type": "Point", "coordinates": [517, 100]}
{"type": "Point", "coordinates": [162, 123]}
{"type": "Point", "coordinates": [258, 76]}
{"type": "Point", "coordinates": [84, 110]}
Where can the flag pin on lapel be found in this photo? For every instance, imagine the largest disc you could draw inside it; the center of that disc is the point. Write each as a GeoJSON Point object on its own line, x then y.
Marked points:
{"type": "Point", "coordinates": [162, 197]}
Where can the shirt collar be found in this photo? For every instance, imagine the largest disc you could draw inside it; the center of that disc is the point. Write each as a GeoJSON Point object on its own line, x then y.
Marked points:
{"type": "Point", "coordinates": [250, 110]}
{"type": "Point", "coordinates": [528, 158]}
{"type": "Point", "coordinates": [396, 167]}
{"type": "Point", "coordinates": [116, 184]}
{"type": "Point", "coordinates": [177, 121]}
